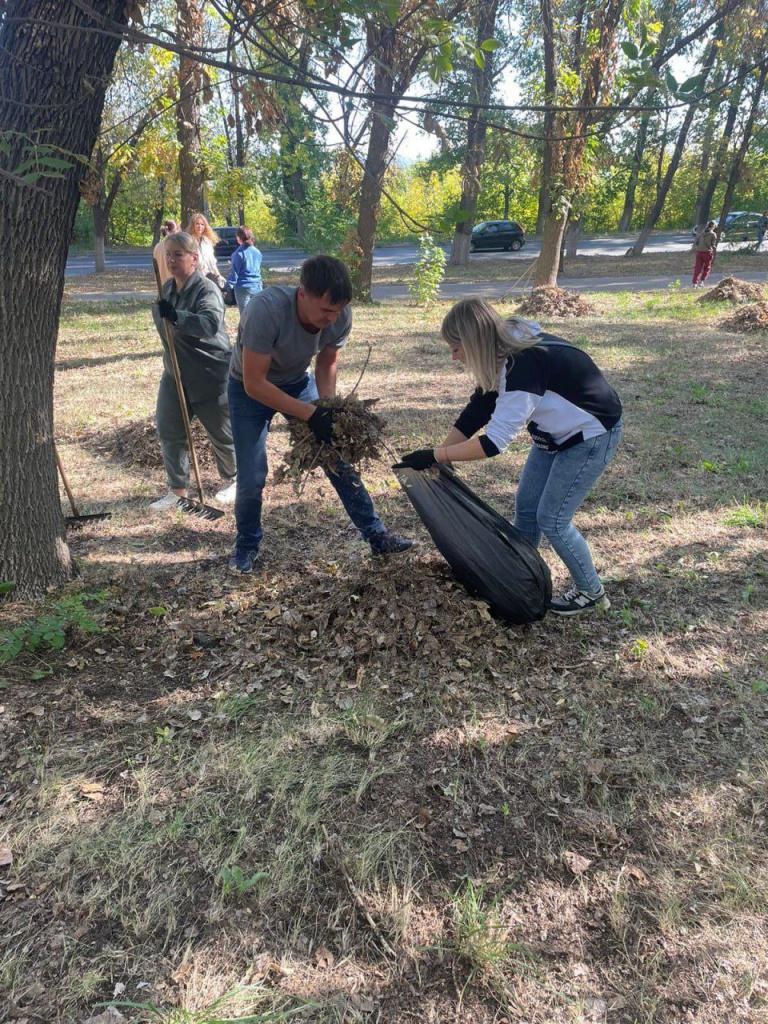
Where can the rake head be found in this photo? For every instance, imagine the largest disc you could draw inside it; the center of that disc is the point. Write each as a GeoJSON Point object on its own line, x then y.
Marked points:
{"type": "Point", "coordinates": [197, 508]}
{"type": "Point", "coordinates": [78, 522]}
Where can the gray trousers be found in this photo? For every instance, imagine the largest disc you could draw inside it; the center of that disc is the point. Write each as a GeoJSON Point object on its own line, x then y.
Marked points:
{"type": "Point", "coordinates": [214, 416]}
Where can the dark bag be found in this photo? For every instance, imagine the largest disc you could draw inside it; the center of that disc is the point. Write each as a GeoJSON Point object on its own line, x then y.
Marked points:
{"type": "Point", "coordinates": [229, 295]}
{"type": "Point", "coordinates": [488, 556]}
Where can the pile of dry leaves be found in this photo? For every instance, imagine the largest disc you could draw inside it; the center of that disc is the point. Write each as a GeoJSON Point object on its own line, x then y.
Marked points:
{"type": "Point", "coordinates": [732, 289]}
{"type": "Point", "coordinates": [747, 319]}
{"type": "Point", "coordinates": [549, 302]}
{"type": "Point", "coordinates": [136, 444]}
{"type": "Point", "coordinates": [357, 437]}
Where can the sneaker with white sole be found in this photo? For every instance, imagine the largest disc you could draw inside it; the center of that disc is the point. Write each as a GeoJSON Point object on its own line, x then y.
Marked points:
{"type": "Point", "coordinates": [227, 495]}
{"type": "Point", "coordinates": [169, 500]}
{"type": "Point", "coordinates": [575, 601]}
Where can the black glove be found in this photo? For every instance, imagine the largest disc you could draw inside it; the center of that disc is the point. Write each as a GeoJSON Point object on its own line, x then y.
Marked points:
{"type": "Point", "coordinates": [167, 311]}
{"type": "Point", "coordinates": [321, 424]}
{"type": "Point", "coordinates": [422, 458]}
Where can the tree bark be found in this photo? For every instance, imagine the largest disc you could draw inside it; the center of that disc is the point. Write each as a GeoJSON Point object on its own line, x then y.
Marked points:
{"type": "Point", "coordinates": [53, 79]}
{"type": "Point", "coordinates": [471, 171]}
{"type": "Point", "coordinates": [189, 31]}
{"type": "Point", "coordinates": [371, 187]}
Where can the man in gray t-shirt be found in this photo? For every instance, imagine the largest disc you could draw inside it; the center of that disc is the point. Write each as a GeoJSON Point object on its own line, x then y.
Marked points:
{"type": "Point", "coordinates": [282, 330]}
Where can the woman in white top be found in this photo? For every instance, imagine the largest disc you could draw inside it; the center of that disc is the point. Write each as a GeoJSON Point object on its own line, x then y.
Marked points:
{"type": "Point", "coordinates": [168, 227]}
{"type": "Point", "coordinates": [527, 377]}
{"type": "Point", "coordinates": [206, 238]}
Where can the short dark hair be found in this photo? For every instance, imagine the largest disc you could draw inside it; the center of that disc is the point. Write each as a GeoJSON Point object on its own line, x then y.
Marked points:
{"type": "Point", "coordinates": [245, 233]}
{"type": "Point", "coordinates": [711, 223]}
{"type": "Point", "coordinates": [322, 275]}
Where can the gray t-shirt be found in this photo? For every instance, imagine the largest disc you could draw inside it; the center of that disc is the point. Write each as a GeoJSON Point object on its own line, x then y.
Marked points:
{"type": "Point", "coordinates": [271, 326]}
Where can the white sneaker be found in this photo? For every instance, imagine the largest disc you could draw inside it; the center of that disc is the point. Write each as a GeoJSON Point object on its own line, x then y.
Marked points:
{"type": "Point", "coordinates": [170, 500]}
{"type": "Point", "coordinates": [227, 495]}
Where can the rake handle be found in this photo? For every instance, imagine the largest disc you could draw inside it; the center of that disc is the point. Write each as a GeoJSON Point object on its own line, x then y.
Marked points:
{"type": "Point", "coordinates": [64, 480]}
{"type": "Point", "coordinates": [179, 386]}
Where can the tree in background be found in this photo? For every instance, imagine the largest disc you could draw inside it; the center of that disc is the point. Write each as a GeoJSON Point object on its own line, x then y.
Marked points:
{"type": "Point", "coordinates": [193, 81]}
{"type": "Point", "coordinates": [481, 89]}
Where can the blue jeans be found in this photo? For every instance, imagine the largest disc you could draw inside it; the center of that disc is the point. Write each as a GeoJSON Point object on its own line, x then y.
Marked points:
{"type": "Point", "coordinates": [244, 294]}
{"type": "Point", "coordinates": [250, 426]}
{"type": "Point", "coordinates": [551, 488]}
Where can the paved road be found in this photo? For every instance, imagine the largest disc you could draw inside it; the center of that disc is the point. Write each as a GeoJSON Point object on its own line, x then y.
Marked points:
{"type": "Point", "coordinates": [291, 259]}
{"type": "Point", "coordinates": [498, 289]}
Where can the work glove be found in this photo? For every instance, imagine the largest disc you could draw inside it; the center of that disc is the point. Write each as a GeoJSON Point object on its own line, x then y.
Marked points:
{"type": "Point", "coordinates": [321, 424]}
{"type": "Point", "coordinates": [167, 311]}
{"type": "Point", "coordinates": [422, 458]}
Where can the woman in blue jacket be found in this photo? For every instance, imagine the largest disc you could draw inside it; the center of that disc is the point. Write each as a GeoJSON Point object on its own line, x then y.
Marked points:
{"type": "Point", "coordinates": [245, 276]}
{"type": "Point", "coordinates": [528, 378]}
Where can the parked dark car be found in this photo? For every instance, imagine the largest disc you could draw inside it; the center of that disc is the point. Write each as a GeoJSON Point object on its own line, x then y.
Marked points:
{"type": "Point", "coordinates": [226, 244]}
{"type": "Point", "coordinates": [740, 226]}
{"type": "Point", "coordinates": [497, 234]}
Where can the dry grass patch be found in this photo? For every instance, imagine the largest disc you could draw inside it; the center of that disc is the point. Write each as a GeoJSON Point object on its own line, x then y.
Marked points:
{"type": "Point", "coordinates": [284, 785]}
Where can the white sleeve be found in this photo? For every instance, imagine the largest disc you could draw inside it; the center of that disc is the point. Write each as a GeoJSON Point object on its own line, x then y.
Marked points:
{"type": "Point", "coordinates": [512, 412]}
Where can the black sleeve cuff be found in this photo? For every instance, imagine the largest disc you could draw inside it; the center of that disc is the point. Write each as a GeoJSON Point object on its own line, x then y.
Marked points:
{"type": "Point", "coordinates": [488, 446]}
{"type": "Point", "coordinates": [477, 413]}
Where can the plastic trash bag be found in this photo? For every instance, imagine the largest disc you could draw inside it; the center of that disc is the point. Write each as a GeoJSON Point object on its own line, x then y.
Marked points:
{"type": "Point", "coordinates": [488, 556]}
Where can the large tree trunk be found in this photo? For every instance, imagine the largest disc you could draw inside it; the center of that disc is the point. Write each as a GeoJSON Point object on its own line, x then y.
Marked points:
{"type": "Point", "coordinates": [482, 85]}
{"type": "Point", "coordinates": [189, 31]}
{"type": "Point", "coordinates": [41, 63]}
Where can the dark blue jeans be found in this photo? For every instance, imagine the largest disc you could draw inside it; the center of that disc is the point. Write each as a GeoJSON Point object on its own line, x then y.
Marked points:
{"type": "Point", "coordinates": [250, 425]}
{"type": "Point", "coordinates": [551, 488]}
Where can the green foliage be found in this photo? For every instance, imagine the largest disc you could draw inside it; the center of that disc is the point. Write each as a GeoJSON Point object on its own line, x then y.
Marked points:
{"type": "Point", "coordinates": [428, 272]}
{"type": "Point", "coordinates": [236, 1007]}
{"type": "Point", "coordinates": [51, 630]}
{"type": "Point", "coordinates": [234, 881]}
{"type": "Point", "coordinates": [748, 514]}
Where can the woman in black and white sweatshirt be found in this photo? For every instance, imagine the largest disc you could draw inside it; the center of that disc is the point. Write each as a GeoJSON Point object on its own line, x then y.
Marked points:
{"type": "Point", "coordinates": [528, 377]}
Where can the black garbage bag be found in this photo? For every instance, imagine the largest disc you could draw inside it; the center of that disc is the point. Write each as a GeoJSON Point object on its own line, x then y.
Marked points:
{"type": "Point", "coordinates": [488, 556]}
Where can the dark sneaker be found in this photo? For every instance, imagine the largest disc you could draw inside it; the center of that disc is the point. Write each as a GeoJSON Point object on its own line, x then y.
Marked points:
{"type": "Point", "coordinates": [574, 601]}
{"type": "Point", "coordinates": [242, 561]}
{"type": "Point", "coordinates": [388, 543]}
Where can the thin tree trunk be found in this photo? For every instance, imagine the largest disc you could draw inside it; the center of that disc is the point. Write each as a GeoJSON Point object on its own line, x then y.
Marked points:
{"type": "Point", "coordinates": [655, 211]}
{"type": "Point", "coordinates": [738, 160]}
{"type": "Point", "coordinates": [189, 30]}
{"type": "Point", "coordinates": [482, 86]}
{"type": "Point", "coordinates": [40, 64]}
{"type": "Point", "coordinates": [625, 220]}
{"type": "Point", "coordinates": [100, 227]}
{"type": "Point", "coordinates": [371, 187]}
{"type": "Point", "coordinates": [704, 204]}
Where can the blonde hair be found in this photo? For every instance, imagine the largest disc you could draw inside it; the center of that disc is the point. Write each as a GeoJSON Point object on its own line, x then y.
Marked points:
{"type": "Point", "coordinates": [182, 240]}
{"type": "Point", "coordinates": [209, 233]}
{"type": "Point", "coordinates": [487, 340]}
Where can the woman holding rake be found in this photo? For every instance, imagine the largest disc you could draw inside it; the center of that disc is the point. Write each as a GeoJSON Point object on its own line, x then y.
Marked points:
{"type": "Point", "coordinates": [195, 309]}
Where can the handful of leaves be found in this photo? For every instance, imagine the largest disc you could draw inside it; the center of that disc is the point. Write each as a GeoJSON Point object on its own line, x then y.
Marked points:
{"type": "Point", "coordinates": [357, 436]}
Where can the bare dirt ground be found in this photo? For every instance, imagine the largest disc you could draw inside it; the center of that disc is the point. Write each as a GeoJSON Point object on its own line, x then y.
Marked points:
{"type": "Point", "coordinates": [339, 786]}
